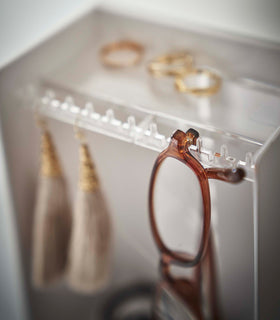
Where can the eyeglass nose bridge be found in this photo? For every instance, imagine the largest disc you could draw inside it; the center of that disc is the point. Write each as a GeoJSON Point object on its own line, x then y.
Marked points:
{"type": "Point", "coordinates": [185, 140]}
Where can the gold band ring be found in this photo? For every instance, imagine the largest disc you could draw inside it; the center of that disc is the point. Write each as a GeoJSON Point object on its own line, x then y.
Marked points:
{"type": "Point", "coordinates": [171, 64]}
{"type": "Point", "coordinates": [122, 45]}
{"type": "Point", "coordinates": [213, 87]}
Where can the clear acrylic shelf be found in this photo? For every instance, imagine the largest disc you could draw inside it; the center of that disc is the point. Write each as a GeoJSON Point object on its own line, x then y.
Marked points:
{"type": "Point", "coordinates": [142, 127]}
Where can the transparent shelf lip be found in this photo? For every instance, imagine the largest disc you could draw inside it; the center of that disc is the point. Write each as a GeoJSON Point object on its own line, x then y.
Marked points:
{"type": "Point", "coordinates": [137, 125]}
{"type": "Point", "coordinates": [45, 84]}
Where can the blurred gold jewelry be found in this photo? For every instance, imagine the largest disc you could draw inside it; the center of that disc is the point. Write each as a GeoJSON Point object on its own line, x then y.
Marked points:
{"type": "Point", "coordinates": [122, 45]}
{"type": "Point", "coordinates": [171, 64]}
{"type": "Point", "coordinates": [212, 88]}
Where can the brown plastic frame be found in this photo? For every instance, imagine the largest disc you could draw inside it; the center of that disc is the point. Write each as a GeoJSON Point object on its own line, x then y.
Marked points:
{"type": "Point", "coordinates": [179, 150]}
{"type": "Point", "coordinates": [189, 290]}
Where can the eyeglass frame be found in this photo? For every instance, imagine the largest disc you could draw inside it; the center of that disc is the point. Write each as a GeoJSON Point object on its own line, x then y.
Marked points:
{"type": "Point", "coordinates": [179, 149]}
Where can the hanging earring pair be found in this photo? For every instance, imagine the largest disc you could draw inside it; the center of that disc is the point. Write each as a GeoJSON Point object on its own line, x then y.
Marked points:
{"type": "Point", "coordinates": [89, 252]}
{"type": "Point", "coordinates": [83, 248]}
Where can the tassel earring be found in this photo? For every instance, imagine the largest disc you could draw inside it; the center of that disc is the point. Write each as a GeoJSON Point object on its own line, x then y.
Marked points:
{"type": "Point", "coordinates": [89, 254]}
{"type": "Point", "coordinates": [52, 217]}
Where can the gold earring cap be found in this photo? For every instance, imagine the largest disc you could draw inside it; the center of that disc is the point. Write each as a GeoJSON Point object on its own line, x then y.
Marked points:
{"type": "Point", "coordinates": [50, 166]}
{"type": "Point", "coordinates": [88, 180]}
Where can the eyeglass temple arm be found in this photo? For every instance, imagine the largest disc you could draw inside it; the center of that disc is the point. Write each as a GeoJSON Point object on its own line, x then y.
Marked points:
{"type": "Point", "coordinates": [227, 175]}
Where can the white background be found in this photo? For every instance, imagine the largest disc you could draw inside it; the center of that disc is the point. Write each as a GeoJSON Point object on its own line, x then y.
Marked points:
{"type": "Point", "coordinates": [23, 24]}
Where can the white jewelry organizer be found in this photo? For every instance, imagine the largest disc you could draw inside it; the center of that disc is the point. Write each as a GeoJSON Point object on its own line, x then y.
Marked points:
{"type": "Point", "coordinates": [237, 126]}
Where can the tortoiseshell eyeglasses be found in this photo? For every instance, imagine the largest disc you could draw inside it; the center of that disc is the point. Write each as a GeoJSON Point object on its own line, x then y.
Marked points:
{"type": "Point", "coordinates": [188, 289]}
{"type": "Point", "coordinates": [179, 149]}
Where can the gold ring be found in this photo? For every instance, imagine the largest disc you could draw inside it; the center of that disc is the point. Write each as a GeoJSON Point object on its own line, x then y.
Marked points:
{"type": "Point", "coordinates": [213, 79]}
{"type": "Point", "coordinates": [122, 45]}
{"type": "Point", "coordinates": [171, 64]}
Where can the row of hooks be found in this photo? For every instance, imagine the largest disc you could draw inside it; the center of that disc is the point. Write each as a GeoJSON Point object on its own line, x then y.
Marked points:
{"type": "Point", "coordinates": [144, 133]}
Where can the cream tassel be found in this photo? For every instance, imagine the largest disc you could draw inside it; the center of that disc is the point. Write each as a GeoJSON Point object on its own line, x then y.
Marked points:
{"type": "Point", "coordinates": [52, 219]}
{"type": "Point", "coordinates": [89, 255]}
